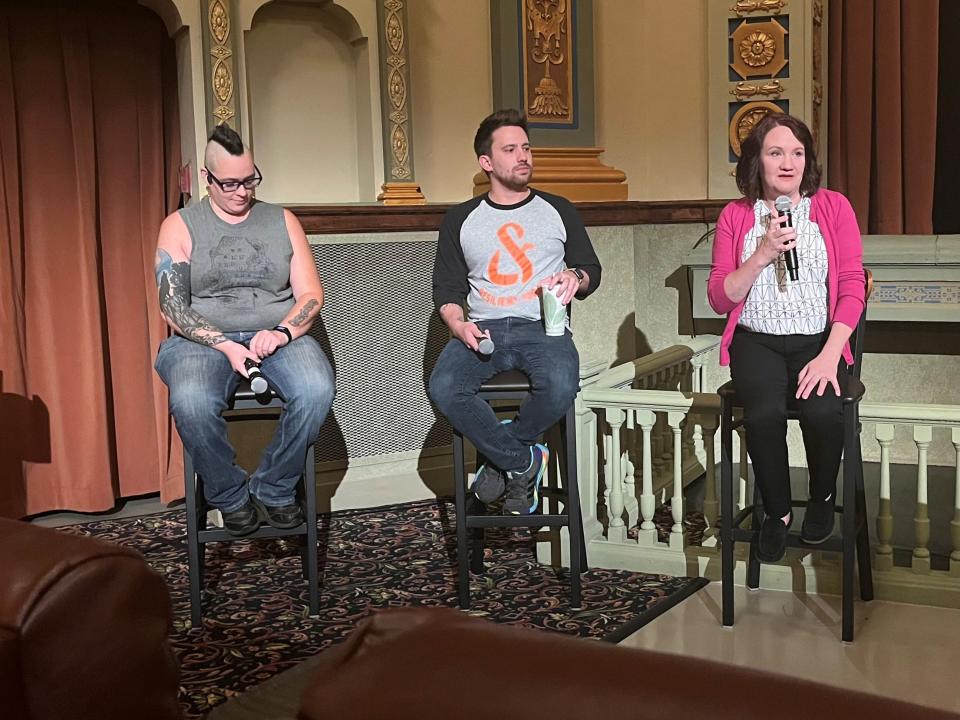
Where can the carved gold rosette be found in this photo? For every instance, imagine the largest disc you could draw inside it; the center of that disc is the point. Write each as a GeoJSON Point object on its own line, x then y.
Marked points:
{"type": "Point", "coordinates": [759, 49]}
{"type": "Point", "coordinates": [547, 60]}
{"type": "Point", "coordinates": [221, 71]}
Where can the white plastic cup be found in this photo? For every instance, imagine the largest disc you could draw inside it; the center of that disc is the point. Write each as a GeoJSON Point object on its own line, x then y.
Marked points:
{"type": "Point", "coordinates": [554, 312]}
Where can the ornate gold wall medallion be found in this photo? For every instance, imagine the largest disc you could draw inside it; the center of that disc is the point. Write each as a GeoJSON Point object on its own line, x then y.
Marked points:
{"type": "Point", "coordinates": [770, 7]}
{"type": "Point", "coordinates": [221, 71]}
{"type": "Point", "coordinates": [759, 49]}
{"type": "Point", "coordinates": [548, 60]}
{"type": "Point", "coordinates": [745, 118]}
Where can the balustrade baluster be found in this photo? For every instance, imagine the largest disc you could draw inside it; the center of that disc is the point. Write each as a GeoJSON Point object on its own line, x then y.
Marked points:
{"type": "Point", "coordinates": [616, 531]}
{"type": "Point", "coordinates": [676, 502]}
{"type": "Point", "coordinates": [922, 435]}
{"type": "Point", "coordinates": [630, 504]}
{"type": "Point", "coordinates": [648, 503]}
{"type": "Point", "coordinates": [884, 557]}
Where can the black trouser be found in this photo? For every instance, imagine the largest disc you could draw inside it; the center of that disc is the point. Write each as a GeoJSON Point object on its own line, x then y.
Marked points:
{"type": "Point", "coordinates": [764, 369]}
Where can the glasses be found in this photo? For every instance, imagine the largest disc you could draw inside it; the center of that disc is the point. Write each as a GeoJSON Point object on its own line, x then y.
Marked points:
{"type": "Point", "coordinates": [229, 186]}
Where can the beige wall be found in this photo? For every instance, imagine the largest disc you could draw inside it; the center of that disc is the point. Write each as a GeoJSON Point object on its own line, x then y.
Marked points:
{"type": "Point", "coordinates": [452, 90]}
{"type": "Point", "coordinates": [303, 90]}
{"type": "Point", "coordinates": [651, 80]}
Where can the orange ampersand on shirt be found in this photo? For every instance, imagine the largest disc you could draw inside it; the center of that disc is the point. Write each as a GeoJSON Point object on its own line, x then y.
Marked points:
{"type": "Point", "coordinates": [517, 252]}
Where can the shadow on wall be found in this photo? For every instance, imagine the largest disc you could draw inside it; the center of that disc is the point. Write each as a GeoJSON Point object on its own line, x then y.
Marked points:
{"type": "Point", "coordinates": [631, 342]}
{"type": "Point", "coordinates": [25, 436]}
{"type": "Point", "coordinates": [437, 477]}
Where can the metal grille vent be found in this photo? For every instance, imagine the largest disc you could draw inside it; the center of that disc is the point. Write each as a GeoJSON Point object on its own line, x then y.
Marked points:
{"type": "Point", "coordinates": [380, 332]}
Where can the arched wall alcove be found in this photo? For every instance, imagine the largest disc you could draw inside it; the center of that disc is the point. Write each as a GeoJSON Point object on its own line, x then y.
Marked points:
{"type": "Point", "coordinates": [182, 19]}
{"type": "Point", "coordinates": [311, 100]}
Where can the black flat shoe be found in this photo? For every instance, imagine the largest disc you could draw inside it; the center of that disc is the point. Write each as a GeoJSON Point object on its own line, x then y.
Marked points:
{"type": "Point", "coordinates": [282, 517]}
{"type": "Point", "coordinates": [242, 521]}
{"type": "Point", "coordinates": [817, 521]}
{"type": "Point", "coordinates": [773, 539]}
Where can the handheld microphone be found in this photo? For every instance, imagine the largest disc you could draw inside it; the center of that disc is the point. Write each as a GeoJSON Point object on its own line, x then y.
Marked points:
{"type": "Point", "coordinates": [258, 382]}
{"type": "Point", "coordinates": [485, 346]}
{"type": "Point", "coordinates": [782, 204]}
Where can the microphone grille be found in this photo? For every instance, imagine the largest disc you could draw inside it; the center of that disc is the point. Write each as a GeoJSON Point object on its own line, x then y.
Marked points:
{"type": "Point", "coordinates": [782, 204]}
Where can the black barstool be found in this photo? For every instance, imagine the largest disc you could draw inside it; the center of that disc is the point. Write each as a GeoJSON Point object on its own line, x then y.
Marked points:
{"type": "Point", "coordinates": [514, 386]}
{"type": "Point", "coordinates": [198, 534]}
{"type": "Point", "coordinates": [854, 539]}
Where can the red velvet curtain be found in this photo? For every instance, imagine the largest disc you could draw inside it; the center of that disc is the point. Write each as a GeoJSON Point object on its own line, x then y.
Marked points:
{"type": "Point", "coordinates": [89, 150]}
{"type": "Point", "coordinates": [882, 110]}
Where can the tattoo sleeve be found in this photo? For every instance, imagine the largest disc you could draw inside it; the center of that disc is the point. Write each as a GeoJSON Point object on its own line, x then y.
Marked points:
{"type": "Point", "coordinates": [301, 317]}
{"type": "Point", "coordinates": [173, 283]}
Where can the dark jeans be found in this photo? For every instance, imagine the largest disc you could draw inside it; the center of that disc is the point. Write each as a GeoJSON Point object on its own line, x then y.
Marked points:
{"type": "Point", "coordinates": [551, 363]}
{"type": "Point", "coordinates": [201, 382]}
{"type": "Point", "coordinates": [764, 369]}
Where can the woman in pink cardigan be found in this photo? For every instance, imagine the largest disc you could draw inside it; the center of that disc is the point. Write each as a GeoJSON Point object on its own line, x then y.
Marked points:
{"type": "Point", "coordinates": [788, 337]}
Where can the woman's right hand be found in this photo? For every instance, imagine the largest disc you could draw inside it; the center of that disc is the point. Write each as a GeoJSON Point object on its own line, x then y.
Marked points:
{"type": "Point", "coordinates": [777, 240]}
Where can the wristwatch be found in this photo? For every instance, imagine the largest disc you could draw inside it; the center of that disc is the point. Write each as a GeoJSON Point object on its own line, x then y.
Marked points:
{"type": "Point", "coordinates": [578, 272]}
{"type": "Point", "coordinates": [285, 331]}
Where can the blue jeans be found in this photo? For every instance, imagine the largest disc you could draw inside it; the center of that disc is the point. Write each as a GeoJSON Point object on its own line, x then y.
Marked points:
{"type": "Point", "coordinates": [551, 363]}
{"type": "Point", "coordinates": [201, 382]}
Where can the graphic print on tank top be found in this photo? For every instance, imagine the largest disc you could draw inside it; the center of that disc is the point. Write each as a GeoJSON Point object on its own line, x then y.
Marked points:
{"type": "Point", "coordinates": [238, 267]}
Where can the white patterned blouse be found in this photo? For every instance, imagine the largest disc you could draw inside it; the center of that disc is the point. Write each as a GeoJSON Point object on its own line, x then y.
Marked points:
{"type": "Point", "coordinates": [776, 305]}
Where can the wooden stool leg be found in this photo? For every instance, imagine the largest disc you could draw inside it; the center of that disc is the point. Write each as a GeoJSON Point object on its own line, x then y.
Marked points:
{"type": "Point", "coordinates": [753, 563]}
{"type": "Point", "coordinates": [578, 555]}
{"type": "Point", "coordinates": [864, 562]}
{"type": "Point", "coordinates": [460, 504]}
{"type": "Point", "coordinates": [850, 457]}
{"type": "Point", "coordinates": [726, 511]}
{"type": "Point", "coordinates": [310, 558]}
{"type": "Point", "coordinates": [192, 489]}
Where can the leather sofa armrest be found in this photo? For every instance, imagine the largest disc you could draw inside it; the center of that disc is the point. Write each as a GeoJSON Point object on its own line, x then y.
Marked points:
{"type": "Point", "coordinates": [439, 663]}
{"type": "Point", "coordinates": [92, 624]}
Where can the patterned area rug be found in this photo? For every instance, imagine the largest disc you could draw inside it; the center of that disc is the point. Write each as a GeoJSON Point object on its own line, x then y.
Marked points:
{"type": "Point", "coordinates": [256, 622]}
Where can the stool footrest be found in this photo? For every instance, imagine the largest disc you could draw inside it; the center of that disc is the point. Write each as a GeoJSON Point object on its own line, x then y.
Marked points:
{"type": "Point", "coordinates": [531, 521]}
{"type": "Point", "coordinates": [265, 531]}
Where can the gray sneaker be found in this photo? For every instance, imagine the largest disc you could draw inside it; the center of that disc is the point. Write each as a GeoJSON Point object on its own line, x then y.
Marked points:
{"type": "Point", "coordinates": [488, 484]}
{"type": "Point", "coordinates": [523, 488]}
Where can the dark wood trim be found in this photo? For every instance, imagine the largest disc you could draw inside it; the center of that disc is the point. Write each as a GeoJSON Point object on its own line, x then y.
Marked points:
{"type": "Point", "coordinates": [366, 218]}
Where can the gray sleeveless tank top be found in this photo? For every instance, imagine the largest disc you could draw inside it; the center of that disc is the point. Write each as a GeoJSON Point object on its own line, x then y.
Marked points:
{"type": "Point", "coordinates": [240, 274]}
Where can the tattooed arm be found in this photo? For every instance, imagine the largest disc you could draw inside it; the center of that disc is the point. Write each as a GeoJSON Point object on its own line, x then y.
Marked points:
{"type": "Point", "coordinates": [172, 269]}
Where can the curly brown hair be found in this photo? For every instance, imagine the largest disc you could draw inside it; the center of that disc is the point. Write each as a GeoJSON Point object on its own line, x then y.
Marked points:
{"type": "Point", "coordinates": [749, 174]}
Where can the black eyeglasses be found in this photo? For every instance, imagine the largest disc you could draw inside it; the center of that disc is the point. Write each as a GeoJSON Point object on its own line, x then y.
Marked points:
{"type": "Point", "coordinates": [229, 186]}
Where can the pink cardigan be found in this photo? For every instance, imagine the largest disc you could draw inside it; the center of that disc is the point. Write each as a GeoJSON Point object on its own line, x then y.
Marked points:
{"type": "Point", "coordinates": [845, 284]}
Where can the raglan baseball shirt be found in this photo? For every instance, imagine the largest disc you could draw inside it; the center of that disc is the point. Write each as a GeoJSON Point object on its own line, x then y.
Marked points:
{"type": "Point", "coordinates": [496, 255]}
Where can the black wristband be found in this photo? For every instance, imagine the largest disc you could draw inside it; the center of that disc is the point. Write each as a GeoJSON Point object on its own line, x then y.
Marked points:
{"type": "Point", "coordinates": [285, 331]}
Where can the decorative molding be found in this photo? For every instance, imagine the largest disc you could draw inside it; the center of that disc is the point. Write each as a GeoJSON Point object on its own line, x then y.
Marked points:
{"type": "Point", "coordinates": [372, 218]}
{"type": "Point", "coordinates": [817, 76]}
{"type": "Point", "coordinates": [744, 90]}
{"type": "Point", "coordinates": [770, 7]}
{"type": "Point", "coordinates": [221, 70]}
{"type": "Point", "coordinates": [399, 186]}
{"type": "Point", "coordinates": [548, 41]}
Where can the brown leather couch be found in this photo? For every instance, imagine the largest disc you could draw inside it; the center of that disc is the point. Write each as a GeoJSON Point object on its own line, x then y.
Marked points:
{"type": "Point", "coordinates": [432, 663]}
{"type": "Point", "coordinates": [84, 630]}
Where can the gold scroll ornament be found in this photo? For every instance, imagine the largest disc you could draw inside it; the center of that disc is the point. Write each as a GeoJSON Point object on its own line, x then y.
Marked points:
{"type": "Point", "coordinates": [221, 74]}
